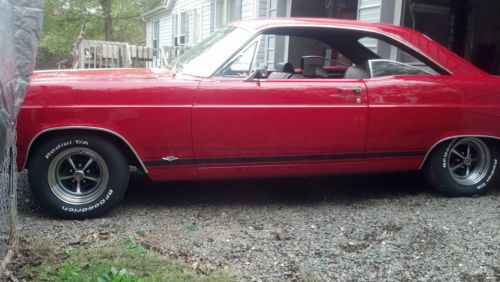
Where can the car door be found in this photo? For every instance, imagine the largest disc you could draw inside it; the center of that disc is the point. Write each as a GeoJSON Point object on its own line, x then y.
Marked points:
{"type": "Point", "coordinates": [281, 121]}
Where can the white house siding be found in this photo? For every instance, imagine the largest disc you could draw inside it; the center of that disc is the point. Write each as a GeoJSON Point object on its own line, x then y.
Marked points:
{"type": "Point", "coordinates": [369, 10]}
{"type": "Point", "coordinates": [380, 11]}
{"type": "Point", "coordinates": [200, 18]}
{"type": "Point", "coordinates": [194, 8]}
{"type": "Point", "coordinates": [206, 15]}
{"type": "Point", "coordinates": [247, 9]}
{"type": "Point", "coordinates": [149, 31]}
{"type": "Point", "coordinates": [202, 11]}
{"type": "Point", "coordinates": [164, 30]}
{"type": "Point", "coordinates": [262, 8]}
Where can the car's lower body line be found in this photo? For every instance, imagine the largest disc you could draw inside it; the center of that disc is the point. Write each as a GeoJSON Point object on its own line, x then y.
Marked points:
{"type": "Point", "coordinates": [281, 159]}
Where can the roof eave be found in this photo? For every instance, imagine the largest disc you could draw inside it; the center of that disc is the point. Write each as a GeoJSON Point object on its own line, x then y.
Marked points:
{"type": "Point", "coordinates": [154, 12]}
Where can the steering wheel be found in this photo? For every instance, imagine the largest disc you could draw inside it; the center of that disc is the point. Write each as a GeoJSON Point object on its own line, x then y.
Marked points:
{"type": "Point", "coordinates": [303, 59]}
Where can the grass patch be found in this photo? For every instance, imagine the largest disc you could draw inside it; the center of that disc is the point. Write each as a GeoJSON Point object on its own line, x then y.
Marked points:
{"type": "Point", "coordinates": [132, 246]}
{"type": "Point", "coordinates": [108, 262]}
{"type": "Point", "coordinates": [142, 232]}
{"type": "Point", "coordinates": [192, 227]}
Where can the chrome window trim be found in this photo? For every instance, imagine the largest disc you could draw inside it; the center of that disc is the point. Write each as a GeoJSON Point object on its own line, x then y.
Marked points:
{"type": "Point", "coordinates": [235, 57]}
{"type": "Point", "coordinates": [453, 137]}
{"type": "Point", "coordinates": [85, 128]}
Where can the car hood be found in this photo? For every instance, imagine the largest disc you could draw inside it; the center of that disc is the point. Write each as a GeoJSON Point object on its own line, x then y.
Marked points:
{"type": "Point", "coordinates": [53, 76]}
{"type": "Point", "coordinates": [102, 86]}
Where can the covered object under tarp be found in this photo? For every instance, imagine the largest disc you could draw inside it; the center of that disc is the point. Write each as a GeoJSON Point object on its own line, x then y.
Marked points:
{"type": "Point", "coordinates": [20, 26]}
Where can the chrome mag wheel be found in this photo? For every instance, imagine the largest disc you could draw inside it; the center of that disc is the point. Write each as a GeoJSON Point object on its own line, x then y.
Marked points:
{"type": "Point", "coordinates": [78, 176]}
{"type": "Point", "coordinates": [469, 161]}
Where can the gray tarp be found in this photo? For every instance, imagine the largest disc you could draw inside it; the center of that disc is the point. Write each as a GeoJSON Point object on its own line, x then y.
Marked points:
{"type": "Point", "coordinates": [20, 27]}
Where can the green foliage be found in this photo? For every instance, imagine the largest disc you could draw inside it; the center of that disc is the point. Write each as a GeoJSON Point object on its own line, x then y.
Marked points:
{"type": "Point", "coordinates": [70, 252]}
{"type": "Point", "coordinates": [117, 276]}
{"type": "Point", "coordinates": [63, 20]}
{"type": "Point", "coordinates": [142, 232]}
{"type": "Point", "coordinates": [69, 271]}
{"type": "Point", "coordinates": [192, 227]}
{"type": "Point", "coordinates": [133, 247]}
{"type": "Point", "coordinates": [111, 262]}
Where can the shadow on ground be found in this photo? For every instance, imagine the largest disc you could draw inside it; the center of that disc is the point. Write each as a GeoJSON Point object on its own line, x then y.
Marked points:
{"type": "Point", "coordinates": [338, 190]}
{"type": "Point", "coordinates": [275, 191]}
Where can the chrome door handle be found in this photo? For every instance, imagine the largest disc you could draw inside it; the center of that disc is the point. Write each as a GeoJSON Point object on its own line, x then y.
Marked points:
{"type": "Point", "coordinates": [356, 90]}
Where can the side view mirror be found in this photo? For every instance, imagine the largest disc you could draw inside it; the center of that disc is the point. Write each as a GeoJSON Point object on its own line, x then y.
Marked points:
{"type": "Point", "coordinates": [258, 73]}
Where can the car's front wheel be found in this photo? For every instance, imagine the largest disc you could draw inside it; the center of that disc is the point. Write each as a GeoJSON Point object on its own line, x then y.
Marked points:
{"type": "Point", "coordinates": [75, 176]}
{"type": "Point", "coordinates": [463, 166]}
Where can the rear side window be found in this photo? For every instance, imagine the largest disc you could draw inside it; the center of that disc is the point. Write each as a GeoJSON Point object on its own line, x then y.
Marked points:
{"type": "Point", "coordinates": [391, 53]}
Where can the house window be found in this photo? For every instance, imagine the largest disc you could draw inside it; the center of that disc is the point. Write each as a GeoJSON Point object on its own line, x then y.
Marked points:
{"type": "Point", "coordinates": [156, 34]}
{"type": "Point", "coordinates": [181, 29]}
{"type": "Point", "coordinates": [226, 11]}
{"type": "Point", "coordinates": [212, 16]}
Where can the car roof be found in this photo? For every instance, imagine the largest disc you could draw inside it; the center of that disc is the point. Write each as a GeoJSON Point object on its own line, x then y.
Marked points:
{"type": "Point", "coordinates": [262, 23]}
{"type": "Point", "coordinates": [417, 41]}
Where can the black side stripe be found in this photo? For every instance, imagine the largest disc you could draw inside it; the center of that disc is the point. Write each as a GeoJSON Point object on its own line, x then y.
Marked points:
{"type": "Point", "coordinates": [284, 158]}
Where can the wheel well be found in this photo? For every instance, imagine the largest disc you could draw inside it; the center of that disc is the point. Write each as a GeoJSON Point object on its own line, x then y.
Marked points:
{"type": "Point", "coordinates": [494, 139]}
{"type": "Point", "coordinates": [130, 155]}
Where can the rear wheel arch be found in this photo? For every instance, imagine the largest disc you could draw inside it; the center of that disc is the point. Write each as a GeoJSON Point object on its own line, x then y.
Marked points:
{"type": "Point", "coordinates": [122, 144]}
{"type": "Point", "coordinates": [465, 165]}
{"type": "Point", "coordinates": [491, 138]}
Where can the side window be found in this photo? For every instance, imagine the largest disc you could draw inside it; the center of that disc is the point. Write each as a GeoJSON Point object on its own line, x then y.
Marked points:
{"type": "Point", "coordinates": [380, 68]}
{"type": "Point", "coordinates": [393, 60]}
{"type": "Point", "coordinates": [242, 64]}
{"type": "Point", "coordinates": [278, 49]}
{"type": "Point", "coordinates": [286, 56]}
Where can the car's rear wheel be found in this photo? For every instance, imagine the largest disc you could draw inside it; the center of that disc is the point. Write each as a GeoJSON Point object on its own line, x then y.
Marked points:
{"type": "Point", "coordinates": [463, 166]}
{"type": "Point", "coordinates": [78, 177]}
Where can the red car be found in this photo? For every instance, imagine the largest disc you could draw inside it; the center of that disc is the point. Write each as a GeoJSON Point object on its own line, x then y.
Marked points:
{"type": "Point", "coordinates": [264, 98]}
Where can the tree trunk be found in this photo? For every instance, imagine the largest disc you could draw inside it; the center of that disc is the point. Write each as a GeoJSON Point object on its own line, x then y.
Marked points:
{"type": "Point", "coordinates": [108, 18]}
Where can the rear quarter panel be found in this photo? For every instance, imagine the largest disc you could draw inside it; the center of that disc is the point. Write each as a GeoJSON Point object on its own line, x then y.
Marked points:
{"type": "Point", "coordinates": [415, 113]}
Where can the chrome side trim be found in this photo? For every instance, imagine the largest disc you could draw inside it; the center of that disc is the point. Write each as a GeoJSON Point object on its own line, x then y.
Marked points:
{"type": "Point", "coordinates": [86, 128]}
{"type": "Point", "coordinates": [453, 137]}
{"type": "Point", "coordinates": [170, 158]}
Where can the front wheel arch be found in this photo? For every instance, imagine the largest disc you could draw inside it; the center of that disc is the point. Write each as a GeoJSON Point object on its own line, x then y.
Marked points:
{"type": "Point", "coordinates": [122, 144]}
{"type": "Point", "coordinates": [76, 177]}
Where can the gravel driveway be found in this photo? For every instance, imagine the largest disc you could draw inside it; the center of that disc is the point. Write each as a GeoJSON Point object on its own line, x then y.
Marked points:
{"type": "Point", "coordinates": [336, 228]}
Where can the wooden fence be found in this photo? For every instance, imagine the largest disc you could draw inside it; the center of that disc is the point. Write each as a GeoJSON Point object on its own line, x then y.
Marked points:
{"type": "Point", "coordinates": [94, 54]}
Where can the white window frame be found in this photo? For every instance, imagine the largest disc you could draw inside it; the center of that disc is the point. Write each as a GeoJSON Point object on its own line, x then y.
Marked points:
{"type": "Point", "coordinates": [197, 28]}
{"type": "Point", "coordinates": [155, 34]}
{"type": "Point", "coordinates": [181, 28]}
{"type": "Point", "coordinates": [226, 11]}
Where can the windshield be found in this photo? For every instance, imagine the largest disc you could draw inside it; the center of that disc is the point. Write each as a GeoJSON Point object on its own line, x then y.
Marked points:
{"type": "Point", "coordinates": [208, 55]}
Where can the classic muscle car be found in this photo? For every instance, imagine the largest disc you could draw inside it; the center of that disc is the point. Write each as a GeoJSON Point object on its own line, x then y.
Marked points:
{"type": "Point", "coordinates": [264, 98]}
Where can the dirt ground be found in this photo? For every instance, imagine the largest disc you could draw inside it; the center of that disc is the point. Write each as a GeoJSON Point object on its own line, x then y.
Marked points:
{"type": "Point", "coordinates": [373, 227]}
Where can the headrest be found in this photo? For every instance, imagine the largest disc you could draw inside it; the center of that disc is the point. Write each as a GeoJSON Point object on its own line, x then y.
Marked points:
{"type": "Point", "coordinates": [356, 72]}
{"type": "Point", "coordinates": [314, 70]}
{"type": "Point", "coordinates": [284, 67]}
